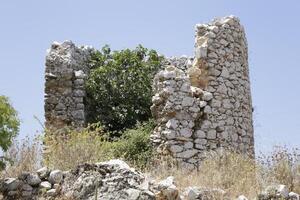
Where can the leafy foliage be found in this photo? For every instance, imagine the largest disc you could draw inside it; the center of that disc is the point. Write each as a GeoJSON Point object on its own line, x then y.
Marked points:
{"type": "Point", "coordinates": [9, 126]}
{"type": "Point", "coordinates": [119, 87]}
{"type": "Point", "coordinates": [134, 146]}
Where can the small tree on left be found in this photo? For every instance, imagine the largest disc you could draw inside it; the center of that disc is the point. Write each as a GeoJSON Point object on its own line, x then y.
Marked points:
{"type": "Point", "coordinates": [9, 126]}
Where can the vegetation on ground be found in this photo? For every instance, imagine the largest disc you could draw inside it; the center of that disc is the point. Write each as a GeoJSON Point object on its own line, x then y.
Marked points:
{"type": "Point", "coordinates": [93, 145]}
{"type": "Point", "coordinates": [235, 173]}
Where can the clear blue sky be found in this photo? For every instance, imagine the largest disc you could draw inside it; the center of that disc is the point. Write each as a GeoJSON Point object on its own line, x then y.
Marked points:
{"type": "Point", "coordinates": [27, 28]}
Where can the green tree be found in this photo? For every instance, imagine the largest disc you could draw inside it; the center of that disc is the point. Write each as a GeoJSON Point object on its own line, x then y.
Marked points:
{"type": "Point", "coordinates": [9, 126]}
{"type": "Point", "coordinates": [119, 87]}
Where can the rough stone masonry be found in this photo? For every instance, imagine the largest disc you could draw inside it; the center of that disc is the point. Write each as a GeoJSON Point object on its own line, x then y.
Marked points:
{"type": "Point", "coordinates": [66, 70]}
{"type": "Point", "coordinates": [205, 103]}
{"type": "Point", "coordinates": [201, 103]}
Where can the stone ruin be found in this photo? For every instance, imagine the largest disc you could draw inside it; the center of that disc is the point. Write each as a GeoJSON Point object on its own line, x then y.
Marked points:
{"type": "Point", "coordinates": [206, 104]}
{"type": "Point", "coordinates": [201, 103]}
{"type": "Point", "coordinates": [66, 70]}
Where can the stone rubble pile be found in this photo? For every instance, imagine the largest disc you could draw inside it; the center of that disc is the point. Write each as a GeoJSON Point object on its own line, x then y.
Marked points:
{"type": "Point", "coordinates": [112, 180]}
{"type": "Point", "coordinates": [29, 185]}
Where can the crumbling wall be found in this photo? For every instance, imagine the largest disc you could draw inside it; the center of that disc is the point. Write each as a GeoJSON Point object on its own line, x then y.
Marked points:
{"type": "Point", "coordinates": [66, 69]}
{"type": "Point", "coordinates": [201, 103]}
{"type": "Point", "coordinates": [208, 105]}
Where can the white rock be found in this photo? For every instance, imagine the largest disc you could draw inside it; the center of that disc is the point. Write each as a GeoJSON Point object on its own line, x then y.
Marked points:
{"type": "Point", "coordinates": [56, 176]}
{"type": "Point", "coordinates": [46, 185]}
{"type": "Point", "coordinates": [212, 55]}
{"type": "Point", "coordinates": [215, 29]}
{"type": "Point", "coordinates": [43, 172]}
{"type": "Point", "coordinates": [222, 89]}
{"type": "Point", "coordinates": [172, 124]}
{"type": "Point", "coordinates": [187, 154]}
{"type": "Point", "coordinates": [133, 194]}
{"type": "Point", "coordinates": [80, 74]}
{"type": "Point", "coordinates": [27, 187]}
{"type": "Point", "coordinates": [227, 104]}
{"type": "Point", "coordinates": [215, 103]}
{"type": "Point", "coordinates": [168, 189]}
{"type": "Point", "coordinates": [120, 164]}
{"type": "Point", "coordinates": [51, 192]}
{"type": "Point", "coordinates": [33, 179]}
{"type": "Point", "coordinates": [283, 190]}
{"type": "Point", "coordinates": [201, 141]}
{"type": "Point", "coordinates": [242, 197]}
{"type": "Point", "coordinates": [169, 74]}
{"type": "Point", "coordinates": [11, 183]}
{"type": "Point", "coordinates": [185, 132]}
{"type": "Point", "coordinates": [176, 148]}
{"type": "Point", "coordinates": [211, 134]}
{"type": "Point", "coordinates": [187, 101]}
{"type": "Point", "coordinates": [294, 196]}
{"type": "Point", "coordinates": [188, 145]}
{"type": "Point", "coordinates": [201, 52]}
{"type": "Point", "coordinates": [225, 73]}
{"type": "Point", "coordinates": [223, 42]}
{"type": "Point", "coordinates": [200, 134]}
{"type": "Point", "coordinates": [207, 96]}
{"type": "Point", "coordinates": [207, 110]}
{"type": "Point", "coordinates": [185, 87]}
{"type": "Point", "coordinates": [203, 104]}
{"type": "Point", "coordinates": [169, 134]}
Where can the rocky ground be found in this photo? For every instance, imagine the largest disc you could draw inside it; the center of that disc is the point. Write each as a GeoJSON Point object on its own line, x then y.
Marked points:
{"type": "Point", "coordinates": [114, 180]}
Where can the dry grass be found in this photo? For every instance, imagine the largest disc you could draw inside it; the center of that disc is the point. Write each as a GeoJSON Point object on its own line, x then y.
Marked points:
{"type": "Point", "coordinates": [24, 155]}
{"type": "Point", "coordinates": [237, 174]}
{"type": "Point", "coordinates": [232, 172]}
{"type": "Point", "coordinates": [75, 147]}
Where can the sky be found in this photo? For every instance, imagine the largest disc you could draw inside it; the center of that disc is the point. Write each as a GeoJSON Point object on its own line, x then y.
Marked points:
{"type": "Point", "coordinates": [27, 29]}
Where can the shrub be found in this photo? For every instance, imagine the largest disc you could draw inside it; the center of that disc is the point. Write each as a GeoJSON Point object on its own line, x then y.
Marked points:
{"type": "Point", "coordinates": [9, 126]}
{"type": "Point", "coordinates": [92, 144]}
{"type": "Point", "coordinates": [135, 146]}
{"type": "Point", "coordinates": [119, 87]}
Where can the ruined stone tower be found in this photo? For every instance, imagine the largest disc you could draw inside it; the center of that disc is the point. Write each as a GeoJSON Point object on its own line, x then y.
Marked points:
{"type": "Point", "coordinates": [66, 69]}
{"type": "Point", "coordinates": [200, 103]}
{"type": "Point", "coordinates": [205, 103]}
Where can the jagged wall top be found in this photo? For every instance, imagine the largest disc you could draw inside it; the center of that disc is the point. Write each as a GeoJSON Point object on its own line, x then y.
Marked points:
{"type": "Point", "coordinates": [66, 69]}
{"type": "Point", "coordinates": [208, 105]}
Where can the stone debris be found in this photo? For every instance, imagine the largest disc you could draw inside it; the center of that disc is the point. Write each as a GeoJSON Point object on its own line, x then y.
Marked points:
{"type": "Point", "coordinates": [166, 189]}
{"type": "Point", "coordinates": [277, 191]}
{"type": "Point", "coordinates": [242, 197]}
{"type": "Point", "coordinates": [196, 193]}
{"type": "Point", "coordinates": [114, 179]}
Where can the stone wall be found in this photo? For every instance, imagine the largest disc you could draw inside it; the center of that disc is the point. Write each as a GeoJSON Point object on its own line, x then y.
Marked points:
{"type": "Point", "coordinates": [204, 103]}
{"type": "Point", "coordinates": [66, 69]}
